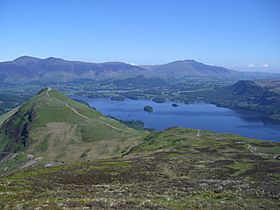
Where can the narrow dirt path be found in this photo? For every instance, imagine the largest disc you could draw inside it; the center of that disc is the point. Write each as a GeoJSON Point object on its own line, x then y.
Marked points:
{"type": "Point", "coordinates": [48, 90]}
{"type": "Point", "coordinates": [8, 157]}
{"type": "Point", "coordinates": [198, 133]}
{"type": "Point", "coordinates": [81, 115]}
{"type": "Point", "coordinates": [76, 112]}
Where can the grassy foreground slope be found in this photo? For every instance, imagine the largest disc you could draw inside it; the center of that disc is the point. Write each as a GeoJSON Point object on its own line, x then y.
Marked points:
{"type": "Point", "coordinates": [174, 169]}
{"type": "Point", "coordinates": [54, 127]}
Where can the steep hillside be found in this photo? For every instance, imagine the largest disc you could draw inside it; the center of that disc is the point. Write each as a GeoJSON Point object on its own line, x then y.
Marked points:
{"type": "Point", "coordinates": [249, 88]}
{"type": "Point", "coordinates": [262, 96]}
{"type": "Point", "coordinates": [272, 85]}
{"type": "Point", "coordinates": [52, 126]}
{"type": "Point", "coordinates": [259, 96]}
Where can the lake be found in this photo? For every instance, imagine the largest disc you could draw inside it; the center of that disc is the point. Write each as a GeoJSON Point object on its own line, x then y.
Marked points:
{"type": "Point", "coordinates": [198, 116]}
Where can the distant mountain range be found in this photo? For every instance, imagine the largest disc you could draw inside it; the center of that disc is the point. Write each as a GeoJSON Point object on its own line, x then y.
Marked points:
{"type": "Point", "coordinates": [188, 68]}
{"type": "Point", "coordinates": [27, 69]}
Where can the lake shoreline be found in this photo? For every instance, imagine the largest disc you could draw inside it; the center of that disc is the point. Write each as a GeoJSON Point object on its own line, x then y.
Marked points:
{"type": "Point", "coordinates": [198, 115]}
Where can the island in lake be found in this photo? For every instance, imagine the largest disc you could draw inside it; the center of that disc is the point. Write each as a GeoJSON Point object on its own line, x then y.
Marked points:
{"type": "Point", "coordinates": [148, 109]}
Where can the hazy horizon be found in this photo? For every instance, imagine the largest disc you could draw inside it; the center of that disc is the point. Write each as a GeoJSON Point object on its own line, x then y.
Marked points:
{"type": "Point", "coordinates": [241, 69]}
{"type": "Point", "coordinates": [239, 35]}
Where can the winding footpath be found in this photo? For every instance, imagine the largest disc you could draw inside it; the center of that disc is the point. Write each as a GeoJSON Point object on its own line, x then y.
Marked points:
{"type": "Point", "coordinates": [76, 112]}
{"type": "Point", "coordinates": [83, 116]}
{"type": "Point", "coordinates": [48, 90]}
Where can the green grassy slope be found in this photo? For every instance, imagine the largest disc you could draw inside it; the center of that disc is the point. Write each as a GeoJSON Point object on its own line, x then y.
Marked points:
{"type": "Point", "coordinates": [55, 127]}
{"type": "Point", "coordinates": [175, 169]}
{"type": "Point", "coordinates": [7, 115]}
{"type": "Point", "coordinates": [195, 141]}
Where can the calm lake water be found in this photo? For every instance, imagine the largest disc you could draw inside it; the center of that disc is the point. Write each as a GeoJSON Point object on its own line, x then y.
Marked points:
{"type": "Point", "coordinates": [199, 116]}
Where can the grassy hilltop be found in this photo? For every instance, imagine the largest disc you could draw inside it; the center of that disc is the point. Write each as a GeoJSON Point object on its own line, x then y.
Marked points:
{"type": "Point", "coordinates": [174, 169]}
{"type": "Point", "coordinates": [55, 127]}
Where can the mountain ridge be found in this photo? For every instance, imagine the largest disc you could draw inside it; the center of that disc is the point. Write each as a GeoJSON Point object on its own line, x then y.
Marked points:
{"type": "Point", "coordinates": [57, 128]}
{"type": "Point", "coordinates": [191, 67]}
{"type": "Point", "coordinates": [27, 69]}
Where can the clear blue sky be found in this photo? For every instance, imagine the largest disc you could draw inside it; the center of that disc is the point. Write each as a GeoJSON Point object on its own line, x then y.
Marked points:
{"type": "Point", "coordinates": [231, 33]}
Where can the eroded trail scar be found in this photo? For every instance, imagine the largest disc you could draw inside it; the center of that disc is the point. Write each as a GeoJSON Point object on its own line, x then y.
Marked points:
{"type": "Point", "coordinates": [81, 115]}
{"type": "Point", "coordinates": [47, 93]}
{"type": "Point", "coordinates": [76, 112]}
